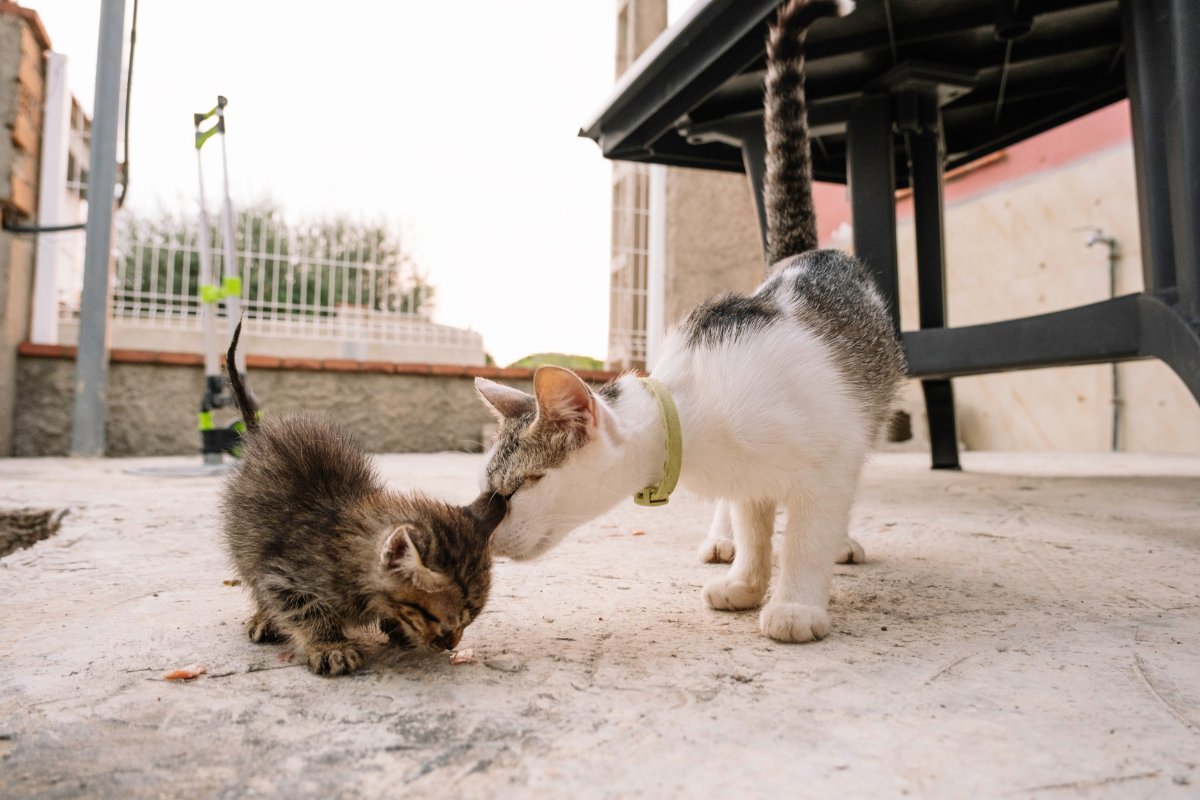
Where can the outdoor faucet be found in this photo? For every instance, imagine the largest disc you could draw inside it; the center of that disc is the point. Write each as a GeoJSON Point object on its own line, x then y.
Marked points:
{"type": "Point", "coordinates": [1097, 237]}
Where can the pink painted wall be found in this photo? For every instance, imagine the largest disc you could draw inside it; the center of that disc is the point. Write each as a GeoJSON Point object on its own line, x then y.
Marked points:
{"type": "Point", "coordinates": [1093, 133]}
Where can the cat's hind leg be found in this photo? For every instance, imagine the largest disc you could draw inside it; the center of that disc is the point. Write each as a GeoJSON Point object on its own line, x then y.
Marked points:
{"type": "Point", "coordinates": [745, 585]}
{"type": "Point", "coordinates": [816, 529]}
{"type": "Point", "coordinates": [718, 547]}
{"type": "Point", "coordinates": [261, 629]}
{"type": "Point", "coordinates": [851, 552]}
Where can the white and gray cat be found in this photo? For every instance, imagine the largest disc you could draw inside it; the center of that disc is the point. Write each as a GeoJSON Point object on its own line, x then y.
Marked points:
{"type": "Point", "coordinates": [780, 396]}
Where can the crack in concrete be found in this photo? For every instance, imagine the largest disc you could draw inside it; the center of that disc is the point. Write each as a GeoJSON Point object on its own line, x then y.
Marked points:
{"type": "Point", "coordinates": [1090, 784]}
{"type": "Point", "coordinates": [1163, 694]}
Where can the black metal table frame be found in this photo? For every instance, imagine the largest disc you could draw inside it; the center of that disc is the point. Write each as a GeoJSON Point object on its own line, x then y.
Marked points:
{"type": "Point", "coordinates": [1161, 39]}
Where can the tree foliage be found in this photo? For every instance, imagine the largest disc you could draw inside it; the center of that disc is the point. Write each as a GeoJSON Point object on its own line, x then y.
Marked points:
{"type": "Point", "coordinates": [569, 361]}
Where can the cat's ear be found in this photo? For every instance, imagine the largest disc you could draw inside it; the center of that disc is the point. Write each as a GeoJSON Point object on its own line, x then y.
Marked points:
{"type": "Point", "coordinates": [504, 401]}
{"type": "Point", "coordinates": [563, 396]}
{"type": "Point", "coordinates": [400, 556]}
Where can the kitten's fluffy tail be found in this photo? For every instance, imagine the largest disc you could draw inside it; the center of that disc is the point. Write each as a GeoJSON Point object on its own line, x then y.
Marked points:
{"type": "Point", "coordinates": [244, 402]}
{"type": "Point", "coordinates": [791, 219]}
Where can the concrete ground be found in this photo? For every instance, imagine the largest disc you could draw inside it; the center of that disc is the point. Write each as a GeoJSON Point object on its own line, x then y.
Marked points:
{"type": "Point", "coordinates": [1026, 628]}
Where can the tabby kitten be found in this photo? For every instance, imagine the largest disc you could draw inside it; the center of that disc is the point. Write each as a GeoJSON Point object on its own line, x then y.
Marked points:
{"type": "Point", "coordinates": [780, 396]}
{"type": "Point", "coordinates": [323, 546]}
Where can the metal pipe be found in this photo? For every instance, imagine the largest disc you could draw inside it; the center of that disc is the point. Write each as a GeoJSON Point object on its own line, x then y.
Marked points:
{"type": "Point", "coordinates": [91, 363]}
{"type": "Point", "coordinates": [1114, 257]}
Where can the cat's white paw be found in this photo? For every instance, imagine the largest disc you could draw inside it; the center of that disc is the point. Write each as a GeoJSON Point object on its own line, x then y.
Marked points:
{"type": "Point", "coordinates": [793, 622]}
{"type": "Point", "coordinates": [716, 551]}
{"type": "Point", "coordinates": [725, 594]}
{"type": "Point", "coordinates": [851, 553]}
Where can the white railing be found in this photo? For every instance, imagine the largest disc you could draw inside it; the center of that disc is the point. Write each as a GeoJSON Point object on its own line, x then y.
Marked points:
{"type": "Point", "coordinates": [334, 281]}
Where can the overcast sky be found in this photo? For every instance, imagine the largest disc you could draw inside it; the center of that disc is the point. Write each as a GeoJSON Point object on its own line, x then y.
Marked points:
{"type": "Point", "coordinates": [456, 121]}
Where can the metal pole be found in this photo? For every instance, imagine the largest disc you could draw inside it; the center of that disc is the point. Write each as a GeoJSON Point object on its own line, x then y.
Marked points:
{"type": "Point", "coordinates": [56, 144]}
{"type": "Point", "coordinates": [1183, 161]}
{"type": "Point", "coordinates": [91, 365]}
{"type": "Point", "coordinates": [208, 311]}
{"type": "Point", "coordinates": [1148, 62]}
{"type": "Point", "coordinates": [233, 303]}
{"type": "Point", "coordinates": [928, 158]}
{"type": "Point", "coordinates": [871, 168]}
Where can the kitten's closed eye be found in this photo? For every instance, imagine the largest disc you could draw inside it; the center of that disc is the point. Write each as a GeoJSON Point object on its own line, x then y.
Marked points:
{"type": "Point", "coordinates": [427, 615]}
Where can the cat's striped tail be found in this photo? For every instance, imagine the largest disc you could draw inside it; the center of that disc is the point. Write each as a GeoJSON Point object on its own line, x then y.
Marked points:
{"type": "Point", "coordinates": [245, 402]}
{"type": "Point", "coordinates": [791, 219]}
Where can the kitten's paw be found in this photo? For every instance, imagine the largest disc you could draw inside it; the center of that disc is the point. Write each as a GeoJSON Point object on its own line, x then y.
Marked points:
{"type": "Point", "coordinates": [716, 551]}
{"type": "Point", "coordinates": [395, 633]}
{"type": "Point", "coordinates": [333, 659]}
{"type": "Point", "coordinates": [726, 594]}
{"type": "Point", "coordinates": [261, 630]}
{"type": "Point", "coordinates": [793, 622]}
{"type": "Point", "coordinates": [851, 553]}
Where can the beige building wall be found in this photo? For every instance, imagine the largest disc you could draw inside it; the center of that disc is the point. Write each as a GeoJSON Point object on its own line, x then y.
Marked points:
{"type": "Point", "coordinates": [22, 75]}
{"type": "Point", "coordinates": [709, 243]}
{"type": "Point", "coordinates": [1020, 249]}
{"type": "Point", "coordinates": [639, 22]}
{"type": "Point", "coordinates": [712, 243]}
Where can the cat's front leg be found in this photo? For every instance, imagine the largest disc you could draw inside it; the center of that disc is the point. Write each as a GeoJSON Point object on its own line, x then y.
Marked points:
{"type": "Point", "coordinates": [745, 585]}
{"type": "Point", "coordinates": [395, 633]}
{"type": "Point", "coordinates": [332, 657]}
{"type": "Point", "coordinates": [718, 546]}
{"type": "Point", "coordinates": [316, 631]}
{"type": "Point", "coordinates": [816, 529]}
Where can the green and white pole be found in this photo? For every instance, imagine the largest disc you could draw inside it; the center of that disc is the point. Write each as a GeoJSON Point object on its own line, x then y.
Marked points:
{"type": "Point", "coordinates": [230, 287]}
{"type": "Point", "coordinates": [232, 282]}
{"type": "Point", "coordinates": [207, 301]}
{"type": "Point", "coordinates": [228, 290]}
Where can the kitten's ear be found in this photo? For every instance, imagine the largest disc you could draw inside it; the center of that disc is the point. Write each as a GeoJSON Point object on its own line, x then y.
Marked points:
{"type": "Point", "coordinates": [562, 395]}
{"type": "Point", "coordinates": [400, 556]}
{"type": "Point", "coordinates": [504, 401]}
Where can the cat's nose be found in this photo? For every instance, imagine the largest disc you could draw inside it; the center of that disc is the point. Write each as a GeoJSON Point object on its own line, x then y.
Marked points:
{"type": "Point", "coordinates": [489, 509]}
{"type": "Point", "coordinates": [448, 640]}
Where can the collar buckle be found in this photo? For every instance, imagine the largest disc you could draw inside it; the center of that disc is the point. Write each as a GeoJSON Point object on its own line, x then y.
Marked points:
{"type": "Point", "coordinates": [650, 496]}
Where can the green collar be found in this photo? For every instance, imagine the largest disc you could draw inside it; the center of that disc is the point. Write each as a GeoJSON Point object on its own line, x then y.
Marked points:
{"type": "Point", "coordinates": [660, 494]}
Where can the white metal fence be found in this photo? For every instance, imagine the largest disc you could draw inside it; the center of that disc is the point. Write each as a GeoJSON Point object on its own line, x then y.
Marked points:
{"type": "Point", "coordinates": [334, 280]}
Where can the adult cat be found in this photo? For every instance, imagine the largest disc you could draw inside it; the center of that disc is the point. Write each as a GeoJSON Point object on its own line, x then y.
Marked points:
{"type": "Point", "coordinates": [780, 395]}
